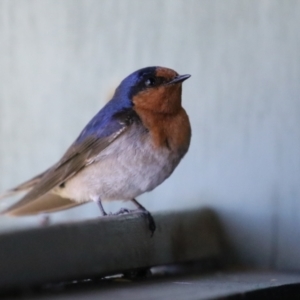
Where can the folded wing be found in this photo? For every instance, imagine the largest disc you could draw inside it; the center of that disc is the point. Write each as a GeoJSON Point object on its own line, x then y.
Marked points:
{"type": "Point", "coordinates": [82, 153]}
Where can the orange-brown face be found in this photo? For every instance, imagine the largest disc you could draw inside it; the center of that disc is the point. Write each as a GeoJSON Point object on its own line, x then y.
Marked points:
{"type": "Point", "coordinates": [166, 73]}
{"type": "Point", "coordinates": [159, 91]}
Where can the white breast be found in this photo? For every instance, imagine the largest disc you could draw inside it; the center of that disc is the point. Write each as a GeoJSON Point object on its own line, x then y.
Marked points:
{"type": "Point", "coordinates": [130, 166]}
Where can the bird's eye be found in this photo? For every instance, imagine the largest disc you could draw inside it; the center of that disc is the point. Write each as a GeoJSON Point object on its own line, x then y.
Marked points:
{"type": "Point", "coordinates": [150, 81]}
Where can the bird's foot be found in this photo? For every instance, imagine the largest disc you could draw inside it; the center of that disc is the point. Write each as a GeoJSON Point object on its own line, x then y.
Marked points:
{"type": "Point", "coordinates": [150, 219]}
{"type": "Point", "coordinates": [123, 211]}
{"type": "Point", "coordinates": [146, 214]}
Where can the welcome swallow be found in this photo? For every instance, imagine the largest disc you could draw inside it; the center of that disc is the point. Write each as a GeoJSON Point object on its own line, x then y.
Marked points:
{"type": "Point", "coordinates": [128, 148]}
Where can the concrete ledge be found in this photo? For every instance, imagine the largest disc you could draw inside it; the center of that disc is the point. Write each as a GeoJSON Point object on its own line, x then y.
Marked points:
{"type": "Point", "coordinates": [106, 246]}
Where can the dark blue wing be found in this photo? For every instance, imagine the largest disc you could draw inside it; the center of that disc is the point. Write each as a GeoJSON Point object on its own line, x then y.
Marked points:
{"type": "Point", "coordinates": [96, 136]}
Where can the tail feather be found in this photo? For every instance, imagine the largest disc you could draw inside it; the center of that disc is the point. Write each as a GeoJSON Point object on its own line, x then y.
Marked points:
{"type": "Point", "coordinates": [45, 204]}
{"type": "Point", "coordinates": [26, 186]}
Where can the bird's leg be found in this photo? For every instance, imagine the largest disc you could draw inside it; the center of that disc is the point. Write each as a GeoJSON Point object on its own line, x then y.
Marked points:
{"type": "Point", "coordinates": [151, 222]}
{"type": "Point", "coordinates": [101, 207]}
{"type": "Point", "coordinates": [143, 210]}
{"type": "Point", "coordinates": [44, 220]}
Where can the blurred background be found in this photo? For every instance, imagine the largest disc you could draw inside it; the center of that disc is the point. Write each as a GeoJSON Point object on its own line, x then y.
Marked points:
{"type": "Point", "coordinates": [60, 61]}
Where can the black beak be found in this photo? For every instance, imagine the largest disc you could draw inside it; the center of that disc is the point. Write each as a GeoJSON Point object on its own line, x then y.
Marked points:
{"type": "Point", "coordinates": [179, 78]}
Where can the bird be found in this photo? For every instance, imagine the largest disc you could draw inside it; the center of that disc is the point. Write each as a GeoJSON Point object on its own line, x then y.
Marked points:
{"type": "Point", "coordinates": [128, 148]}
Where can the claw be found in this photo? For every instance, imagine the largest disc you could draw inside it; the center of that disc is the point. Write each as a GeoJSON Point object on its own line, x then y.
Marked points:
{"type": "Point", "coordinates": [146, 214]}
{"type": "Point", "coordinates": [151, 222]}
{"type": "Point", "coordinates": [123, 211]}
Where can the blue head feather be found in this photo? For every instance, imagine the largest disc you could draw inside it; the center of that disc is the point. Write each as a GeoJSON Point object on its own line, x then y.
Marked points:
{"type": "Point", "coordinates": [103, 123]}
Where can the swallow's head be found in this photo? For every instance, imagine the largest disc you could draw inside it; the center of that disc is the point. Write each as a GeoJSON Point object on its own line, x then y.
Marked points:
{"type": "Point", "coordinates": [155, 89]}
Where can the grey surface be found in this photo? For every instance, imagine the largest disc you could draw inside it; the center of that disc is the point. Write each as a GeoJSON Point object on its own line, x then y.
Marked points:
{"type": "Point", "coordinates": [185, 287]}
{"type": "Point", "coordinates": [106, 246]}
{"type": "Point", "coordinates": [60, 60]}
